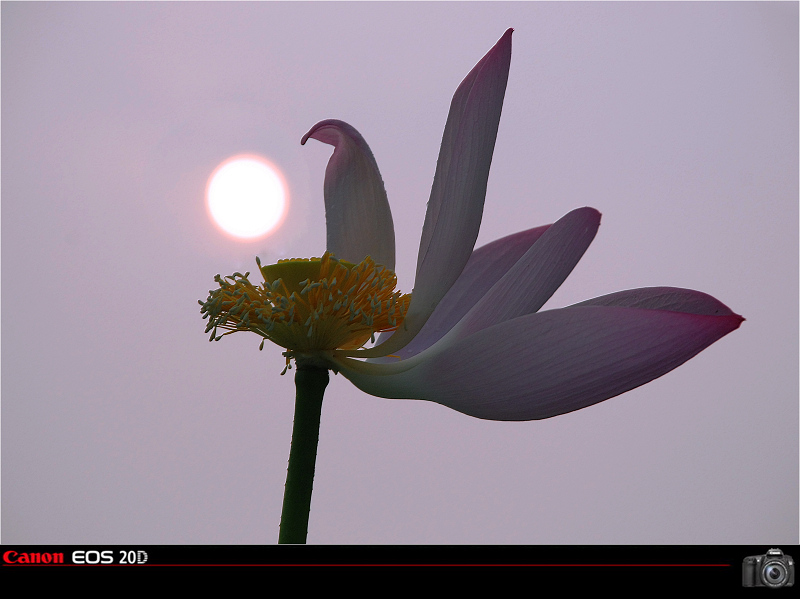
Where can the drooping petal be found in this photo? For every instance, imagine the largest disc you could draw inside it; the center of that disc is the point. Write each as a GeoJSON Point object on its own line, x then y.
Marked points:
{"type": "Point", "coordinates": [357, 214]}
{"type": "Point", "coordinates": [455, 207]}
{"type": "Point", "coordinates": [537, 275]}
{"type": "Point", "coordinates": [673, 299]}
{"type": "Point", "coordinates": [548, 363]}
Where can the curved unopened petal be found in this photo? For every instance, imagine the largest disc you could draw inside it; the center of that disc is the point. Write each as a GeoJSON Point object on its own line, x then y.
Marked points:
{"type": "Point", "coordinates": [537, 275]}
{"type": "Point", "coordinates": [455, 207]}
{"type": "Point", "coordinates": [548, 363]}
{"type": "Point", "coordinates": [357, 214]}
{"type": "Point", "coordinates": [485, 267]}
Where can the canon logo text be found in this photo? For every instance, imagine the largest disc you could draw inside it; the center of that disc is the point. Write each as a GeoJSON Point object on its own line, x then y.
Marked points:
{"type": "Point", "coordinates": [12, 557]}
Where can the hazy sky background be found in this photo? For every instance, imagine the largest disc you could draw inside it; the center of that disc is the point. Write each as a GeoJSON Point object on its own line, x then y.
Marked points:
{"type": "Point", "coordinates": [121, 423]}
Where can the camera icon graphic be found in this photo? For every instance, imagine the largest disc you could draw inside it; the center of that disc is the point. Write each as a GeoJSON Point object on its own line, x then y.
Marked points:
{"type": "Point", "coordinates": [773, 569]}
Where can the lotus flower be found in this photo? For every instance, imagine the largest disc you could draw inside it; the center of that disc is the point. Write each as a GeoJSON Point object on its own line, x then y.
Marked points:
{"type": "Point", "coordinates": [470, 336]}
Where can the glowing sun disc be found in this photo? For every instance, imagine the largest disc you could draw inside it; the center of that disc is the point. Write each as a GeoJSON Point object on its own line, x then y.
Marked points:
{"type": "Point", "coordinates": [246, 196]}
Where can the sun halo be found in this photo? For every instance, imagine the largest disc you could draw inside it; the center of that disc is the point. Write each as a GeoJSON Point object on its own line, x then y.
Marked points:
{"type": "Point", "coordinates": [247, 197]}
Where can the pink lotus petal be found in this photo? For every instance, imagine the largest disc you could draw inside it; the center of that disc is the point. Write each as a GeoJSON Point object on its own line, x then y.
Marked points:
{"type": "Point", "coordinates": [485, 267]}
{"type": "Point", "coordinates": [548, 363]}
{"type": "Point", "coordinates": [357, 214]}
{"type": "Point", "coordinates": [673, 299]}
{"type": "Point", "coordinates": [537, 275]}
{"type": "Point", "coordinates": [455, 207]}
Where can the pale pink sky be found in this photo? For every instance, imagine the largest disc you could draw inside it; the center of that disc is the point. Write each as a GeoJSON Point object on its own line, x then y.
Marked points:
{"type": "Point", "coordinates": [122, 424]}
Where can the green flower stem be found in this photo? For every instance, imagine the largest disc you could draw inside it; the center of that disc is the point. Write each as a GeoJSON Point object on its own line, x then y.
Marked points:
{"type": "Point", "coordinates": [310, 383]}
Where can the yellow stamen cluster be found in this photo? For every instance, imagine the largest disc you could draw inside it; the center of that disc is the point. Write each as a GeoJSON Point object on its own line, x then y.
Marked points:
{"type": "Point", "coordinates": [307, 305]}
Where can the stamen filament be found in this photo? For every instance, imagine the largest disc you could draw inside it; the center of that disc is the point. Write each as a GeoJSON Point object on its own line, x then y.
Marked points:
{"type": "Point", "coordinates": [303, 306]}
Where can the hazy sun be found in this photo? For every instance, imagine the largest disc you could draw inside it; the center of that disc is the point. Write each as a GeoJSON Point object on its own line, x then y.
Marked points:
{"type": "Point", "coordinates": [246, 196]}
